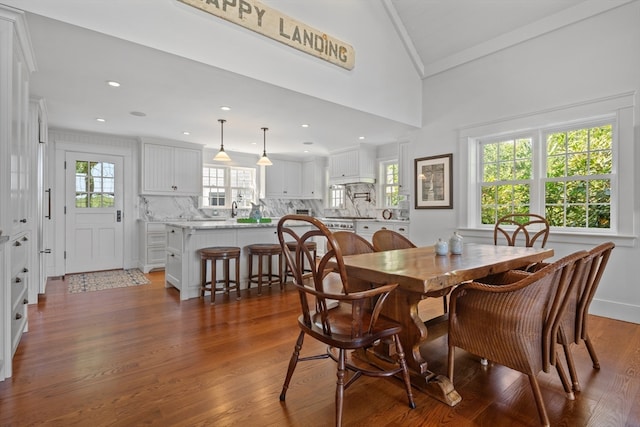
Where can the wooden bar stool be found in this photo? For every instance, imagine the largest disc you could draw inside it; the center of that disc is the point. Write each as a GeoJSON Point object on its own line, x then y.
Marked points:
{"type": "Point", "coordinates": [215, 254]}
{"type": "Point", "coordinates": [311, 246]}
{"type": "Point", "coordinates": [262, 250]}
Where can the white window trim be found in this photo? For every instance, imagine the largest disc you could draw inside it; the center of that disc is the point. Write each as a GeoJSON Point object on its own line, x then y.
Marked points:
{"type": "Point", "coordinates": [227, 185]}
{"type": "Point", "coordinates": [382, 163]}
{"type": "Point", "coordinates": [619, 107]}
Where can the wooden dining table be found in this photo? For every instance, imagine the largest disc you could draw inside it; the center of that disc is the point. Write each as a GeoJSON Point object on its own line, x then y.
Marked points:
{"type": "Point", "coordinates": [420, 274]}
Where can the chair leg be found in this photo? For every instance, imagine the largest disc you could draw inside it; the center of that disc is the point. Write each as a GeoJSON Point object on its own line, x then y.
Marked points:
{"type": "Point", "coordinates": [292, 365]}
{"type": "Point", "coordinates": [213, 281]}
{"type": "Point", "coordinates": [537, 394]}
{"type": "Point", "coordinates": [445, 305]}
{"type": "Point", "coordinates": [237, 278]}
{"type": "Point", "coordinates": [342, 371]}
{"type": "Point", "coordinates": [563, 379]}
{"type": "Point", "coordinates": [569, 358]}
{"type": "Point", "coordinates": [405, 372]}
{"type": "Point", "coordinates": [592, 352]}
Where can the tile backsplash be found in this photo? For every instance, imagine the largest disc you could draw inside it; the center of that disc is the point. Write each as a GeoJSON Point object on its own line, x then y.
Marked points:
{"type": "Point", "coordinates": [360, 201]}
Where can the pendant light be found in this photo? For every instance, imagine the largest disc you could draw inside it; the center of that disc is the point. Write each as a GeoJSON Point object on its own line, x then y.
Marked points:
{"type": "Point", "coordinates": [264, 160]}
{"type": "Point", "coordinates": [222, 156]}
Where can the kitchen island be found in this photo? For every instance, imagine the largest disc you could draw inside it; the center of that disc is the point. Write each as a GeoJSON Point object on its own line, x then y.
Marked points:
{"type": "Point", "coordinates": [185, 238]}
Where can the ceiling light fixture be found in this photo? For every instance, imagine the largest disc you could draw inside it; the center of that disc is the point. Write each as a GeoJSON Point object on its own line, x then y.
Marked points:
{"type": "Point", "coordinates": [225, 108]}
{"type": "Point", "coordinates": [113, 83]}
{"type": "Point", "coordinates": [222, 156]}
{"type": "Point", "coordinates": [100, 119]}
{"type": "Point", "coordinates": [264, 160]}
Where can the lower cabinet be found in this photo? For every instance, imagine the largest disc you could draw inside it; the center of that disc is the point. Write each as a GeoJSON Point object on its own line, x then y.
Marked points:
{"type": "Point", "coordinates": [367, 229]}
{"type": "Point", "coordinates": [19, 282]}
{"type": "Point", "coordinates": [173, 267]}
{"type": "Point", "coordinates": [153, 246]}
{"type": "Point", "coordinates": [182, 269]}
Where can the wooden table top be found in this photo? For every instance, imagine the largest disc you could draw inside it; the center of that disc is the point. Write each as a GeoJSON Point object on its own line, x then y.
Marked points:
{"type": "Point", "coordinates": [421, 270]}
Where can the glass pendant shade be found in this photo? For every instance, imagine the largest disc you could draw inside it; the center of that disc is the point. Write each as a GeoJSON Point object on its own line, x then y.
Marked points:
{"type": "Point", "coordinates": [264, 160]}
{"type": "Point", "coordinates": [222, 156]}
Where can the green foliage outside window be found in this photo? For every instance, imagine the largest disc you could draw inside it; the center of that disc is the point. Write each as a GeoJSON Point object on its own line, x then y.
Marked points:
{"type": "Point", "coordinates": [390, 185]}
{"type": "Point", "coordinates": [95, 184]}
{"type": "Point", "coordinates": [577, 185]}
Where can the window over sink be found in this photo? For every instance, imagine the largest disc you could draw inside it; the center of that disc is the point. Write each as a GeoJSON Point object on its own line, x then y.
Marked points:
{"type": "Point", "coordinates": [223, 185]}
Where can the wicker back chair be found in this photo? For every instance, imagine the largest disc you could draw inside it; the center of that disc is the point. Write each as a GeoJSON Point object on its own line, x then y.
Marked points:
{"type": "Point", "coordinates": [574, 326]}
{"type": "Point", "coordinates": [516, 324]}
{"type": "Point", "coordinates": [386, 240]}
{"type": "Point", "coordinates": [352, 326]}
{"type": "Point", "coordinates": [529, 228]}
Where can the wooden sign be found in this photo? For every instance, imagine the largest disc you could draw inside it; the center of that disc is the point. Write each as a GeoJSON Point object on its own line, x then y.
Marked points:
{"type": "Point", "coordinates": [269, 22]}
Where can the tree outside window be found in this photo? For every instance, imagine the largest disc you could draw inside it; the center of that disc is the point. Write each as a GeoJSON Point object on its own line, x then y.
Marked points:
{"type": "Point", "coordinates": [390, 185]}
{"type": "Point", "coordinates": [575, 187]}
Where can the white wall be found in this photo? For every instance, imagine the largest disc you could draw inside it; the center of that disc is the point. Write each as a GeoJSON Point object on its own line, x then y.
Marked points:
{"type": "Point", "coordinates": [194, 34]}
{"type": "Point", "coordinates": [590, 60]}
{"type": "Point", "coordinates": [68, 140]}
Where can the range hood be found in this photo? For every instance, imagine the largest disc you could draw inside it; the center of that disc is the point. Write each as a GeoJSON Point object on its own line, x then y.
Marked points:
{"type": "Point", "coordinates": [353, 165]}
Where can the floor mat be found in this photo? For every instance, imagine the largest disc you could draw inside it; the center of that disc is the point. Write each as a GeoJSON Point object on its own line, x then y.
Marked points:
{"type": "Point", "coordinates": [100, 280]}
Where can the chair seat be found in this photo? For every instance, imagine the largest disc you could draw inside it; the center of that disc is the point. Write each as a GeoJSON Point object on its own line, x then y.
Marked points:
{"type": "Point", "coordinates": [264, 249]}
{"type": "Point", "coordinates": [220, 252]}
{"type": "Point", "coordinates": [341, 318]}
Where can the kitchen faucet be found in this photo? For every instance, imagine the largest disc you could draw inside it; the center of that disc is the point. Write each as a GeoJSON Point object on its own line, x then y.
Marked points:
{"type": "Point", "coordinates": [234, 209]}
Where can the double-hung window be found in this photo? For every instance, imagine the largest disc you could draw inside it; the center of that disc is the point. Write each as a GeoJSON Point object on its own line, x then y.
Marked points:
{"type": "Point", "coordinates": [564, 173]}
{"type": "Point", "coordinates": [389, 183]}
{"type": "Point", "coordinates": [223, 185]}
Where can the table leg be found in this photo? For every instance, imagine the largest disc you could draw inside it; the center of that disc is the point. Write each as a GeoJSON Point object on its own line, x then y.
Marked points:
{"type": "Point", "coordinates": [402, 306]}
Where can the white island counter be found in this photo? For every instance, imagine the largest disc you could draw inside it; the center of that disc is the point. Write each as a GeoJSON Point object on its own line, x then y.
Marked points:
{"type": "Point", "coordinates": [185, 238]}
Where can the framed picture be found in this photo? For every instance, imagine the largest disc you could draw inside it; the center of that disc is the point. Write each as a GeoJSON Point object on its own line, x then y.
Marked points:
{"type": "Point", "coordinates": [434, 182]}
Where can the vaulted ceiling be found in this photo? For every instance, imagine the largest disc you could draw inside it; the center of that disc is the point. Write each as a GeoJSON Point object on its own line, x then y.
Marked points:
{"type": "Point", "coordinates": [170, 89]}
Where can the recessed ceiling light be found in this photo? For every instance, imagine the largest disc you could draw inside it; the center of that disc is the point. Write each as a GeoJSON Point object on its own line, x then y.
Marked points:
{"type": "Point", "coordinates": [225, 108]}
{"type": "Point", "coordinates": [113, 83]}
{"type": "Point", "coordinates": [305, 125]}
{"type": "Point", "coordinates": [361, 137]}
{"type": "Point", "coordinates": [100, 119]}
{"type": "Point", "coordinates": [186, 132]}
{"type": "Point", "coordinates": [138, 114]}
{"type": "Point", "coordinates": [305, 151]}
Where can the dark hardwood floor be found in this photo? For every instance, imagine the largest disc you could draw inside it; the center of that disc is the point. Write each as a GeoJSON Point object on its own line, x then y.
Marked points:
{"type": "Point", "coordinates": [138, 356]}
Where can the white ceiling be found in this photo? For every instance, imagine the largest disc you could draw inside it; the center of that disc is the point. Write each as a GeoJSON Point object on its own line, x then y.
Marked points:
{"type": "Point", "coordinates": [174, 92]}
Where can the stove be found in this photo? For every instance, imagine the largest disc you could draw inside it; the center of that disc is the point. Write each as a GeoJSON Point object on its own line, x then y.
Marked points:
{"type": "Point", "coordinates": [341, 223]}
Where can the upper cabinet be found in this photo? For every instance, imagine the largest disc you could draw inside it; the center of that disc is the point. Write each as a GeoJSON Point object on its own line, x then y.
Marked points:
{"type": "Point", "coordinates": [171, 168]}
{"type": "Point", "coordinates": [313, 179]}
{"type": "Point", "coordinates": [284, 179]}
{"type": "Point", "coordinates": [357, 164]}
{"type": "Point", "coordinates": [17, 154]}
{"type": "Point", "coordinates": [405, 167]}
{"type": "Point", "coordinates": [292, 179]}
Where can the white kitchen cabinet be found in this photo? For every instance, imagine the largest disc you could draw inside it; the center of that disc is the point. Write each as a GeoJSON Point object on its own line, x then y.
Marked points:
{"type": "Point", "coordinates": [173, 264]}
{"type": "Point", "coordinates": [17, 168]}
{"type": "Point", "coordinates": [313, 179]}
{"type": "Point", "coordinates": [367, 229]}
{"type": "Point", "coordinates": [153, 246]}
{"type": "Point", "coordinates": [284, 179]}
{"type": "Point", "coordinates": [171, 169]}
{"type": "Point", "coordinates": [351, 165]}
{"type": "Point", "coordinates": [19, 283]}
{"type": "Point", "coordinates": [405, 168]}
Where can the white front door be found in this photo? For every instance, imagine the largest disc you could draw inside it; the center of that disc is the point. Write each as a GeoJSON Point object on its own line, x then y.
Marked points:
{"type": "Point", "coordinates": [94, 224]}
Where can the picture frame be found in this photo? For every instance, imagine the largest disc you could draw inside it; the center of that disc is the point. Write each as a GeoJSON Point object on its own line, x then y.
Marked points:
{"type": "Point", "coordinates": [434, 182]}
